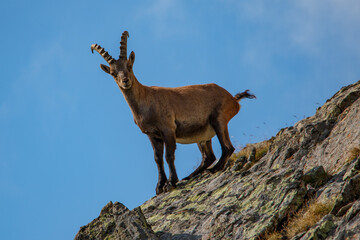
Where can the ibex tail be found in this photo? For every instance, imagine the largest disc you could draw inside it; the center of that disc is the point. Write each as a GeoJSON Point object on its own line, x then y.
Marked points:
{"type": "Point", "coordinates": [242, 95]}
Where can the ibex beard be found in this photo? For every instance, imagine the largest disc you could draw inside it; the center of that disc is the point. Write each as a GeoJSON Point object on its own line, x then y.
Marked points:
{"type": "Point", "coordinates": [189, 114]}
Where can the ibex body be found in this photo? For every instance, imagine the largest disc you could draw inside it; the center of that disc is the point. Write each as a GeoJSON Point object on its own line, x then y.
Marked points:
{"type": "Point", "coordinates": [190, 114]}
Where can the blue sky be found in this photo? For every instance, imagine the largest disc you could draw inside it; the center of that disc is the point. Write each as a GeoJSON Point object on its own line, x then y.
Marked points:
{"type": "Point", "coordinates": [68, 143]}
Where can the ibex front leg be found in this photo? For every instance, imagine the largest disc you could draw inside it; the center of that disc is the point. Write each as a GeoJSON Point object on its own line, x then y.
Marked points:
{"type": "Point", "coordinates": [170, 146]}
{"type": "Point", "coordinates": [158, 146]}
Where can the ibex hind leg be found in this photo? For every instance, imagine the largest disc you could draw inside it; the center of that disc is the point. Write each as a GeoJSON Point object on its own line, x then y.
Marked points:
{"type": "Point", "coordinates": [208, 158]}
{"type": "Point", "coordinates": [227, 148]}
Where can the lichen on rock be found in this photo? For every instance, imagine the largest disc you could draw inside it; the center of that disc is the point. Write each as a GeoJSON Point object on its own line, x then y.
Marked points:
{"type": "Point", "coordinates": [253, 197]}
{"type": "Point", "coordinates": [117, 222]}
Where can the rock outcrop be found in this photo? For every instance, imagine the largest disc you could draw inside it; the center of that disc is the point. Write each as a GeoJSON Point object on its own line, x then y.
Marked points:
{"type": "Point", "coordinates": [317, 160]}
{"type": "Point", "coordinates": [117, 222]}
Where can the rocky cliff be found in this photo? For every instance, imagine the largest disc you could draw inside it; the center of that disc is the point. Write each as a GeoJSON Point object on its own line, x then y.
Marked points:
{"type": "Point", "coordinates": [304, 183]}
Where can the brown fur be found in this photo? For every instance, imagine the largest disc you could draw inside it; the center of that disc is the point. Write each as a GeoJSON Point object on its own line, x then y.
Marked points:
{"type": "Point", "coordinates": [189, 114]}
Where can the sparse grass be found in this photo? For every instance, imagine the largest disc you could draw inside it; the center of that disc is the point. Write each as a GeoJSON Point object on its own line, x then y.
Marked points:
{"type": "Point", "coordinates": [354, 153]}
{"type": "Point", "coordinates": [273, 236]}
{"type": "Point", "coordinates": [307, 217]}
{"type": "Point", "coordinates": [261, 149]}
{"type": "Point", "coordinates": [303, 220]}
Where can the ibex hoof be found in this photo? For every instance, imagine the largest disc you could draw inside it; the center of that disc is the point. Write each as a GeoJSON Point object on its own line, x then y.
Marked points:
{"type": "Point", "coordinates": [160, 187]}
{"type": "Point", "coordinates": [169, 187]}
{"type": "Point", "coordinates": [188, 177]}
{"type": "Point", "coordinates": [159, 190]}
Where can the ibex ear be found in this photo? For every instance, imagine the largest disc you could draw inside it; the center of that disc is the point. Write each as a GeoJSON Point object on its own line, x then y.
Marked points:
{"type": "Point", "coordinates": [105, 68]}
{"type": "Point", "coordinates": [132, 58]}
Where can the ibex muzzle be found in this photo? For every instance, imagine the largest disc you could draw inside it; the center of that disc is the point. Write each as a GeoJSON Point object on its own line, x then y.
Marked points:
{"type": "Point", "coordinates": [190, 114]}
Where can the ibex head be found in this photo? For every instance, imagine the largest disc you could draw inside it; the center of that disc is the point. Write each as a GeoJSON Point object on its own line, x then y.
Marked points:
{"type": "Point", "coordinates": [120, 69]}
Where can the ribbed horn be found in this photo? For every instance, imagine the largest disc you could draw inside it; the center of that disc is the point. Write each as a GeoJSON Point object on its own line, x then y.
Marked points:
{"type": "Point", "coordinates": [102, 52]}
{"type": "Point", "coordinates": [123, 45]}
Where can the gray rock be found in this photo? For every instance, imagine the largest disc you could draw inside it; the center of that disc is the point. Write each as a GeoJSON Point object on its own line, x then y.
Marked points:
{"type": "Point", "coordinates": [321, 230]}
{"type": "Point", "coordinates": [252, 155]}
{"type": "Point", "coordinates": [117, 222]}
{"type": "Point", "coordinates": [315, 177]}
{"type": "Point", "coordinates": [216, 207]}
{"type": "Point", "coordinates": [256, 198]}
{"type": "Point", "coordinates": [348, 227]}
{"type": "Point", "coordinates": [349, 193]}
{"type": "Point", "coordinates": [239, 163]}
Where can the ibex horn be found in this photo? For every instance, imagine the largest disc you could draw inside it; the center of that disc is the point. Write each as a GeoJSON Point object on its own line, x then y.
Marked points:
{"type": "Point", "coordinates": [123, 47]}
{"type": "Point", "coordinates": [102, 52]}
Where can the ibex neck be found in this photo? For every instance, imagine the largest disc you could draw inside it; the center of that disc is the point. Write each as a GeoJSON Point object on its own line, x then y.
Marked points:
{"type": "Point", "coordinates": [135, 96]}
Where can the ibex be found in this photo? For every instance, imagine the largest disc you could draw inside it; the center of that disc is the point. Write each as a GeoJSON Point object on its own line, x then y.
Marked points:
{"type": "Point", "coordinates": [189, 114]}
